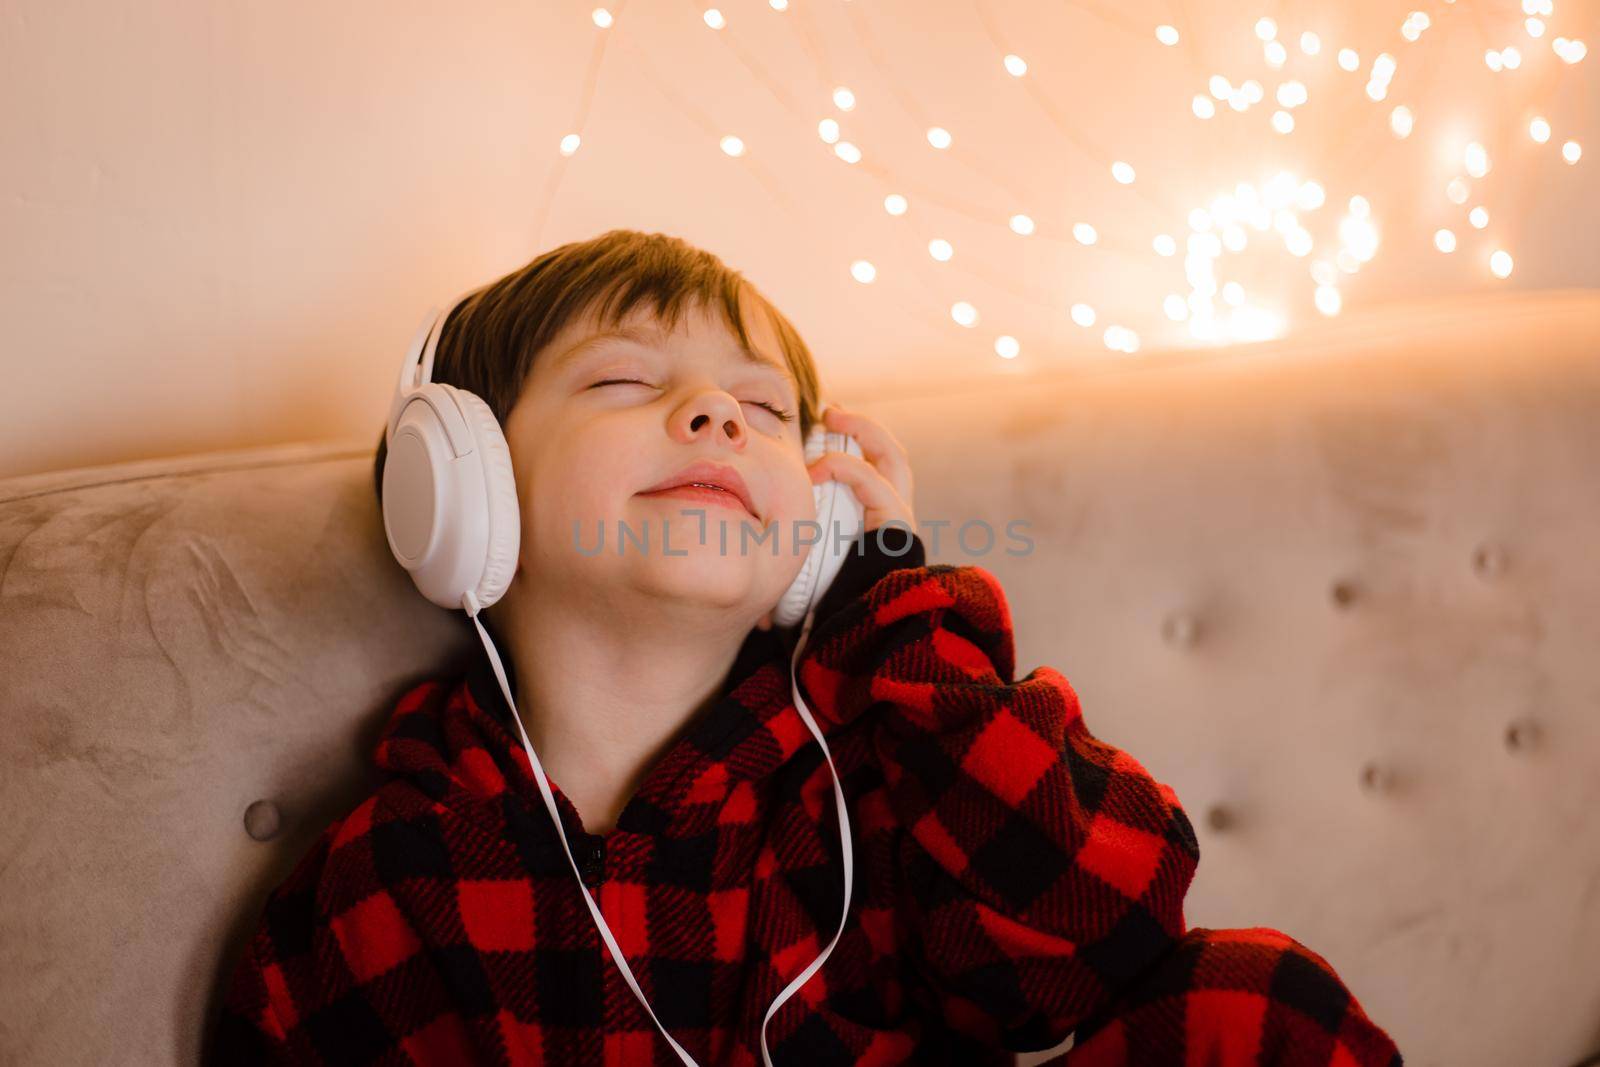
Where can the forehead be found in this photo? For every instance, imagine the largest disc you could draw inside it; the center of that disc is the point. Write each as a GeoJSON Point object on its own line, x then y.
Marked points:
{"type": "Point", "coordinates": [697, 326]}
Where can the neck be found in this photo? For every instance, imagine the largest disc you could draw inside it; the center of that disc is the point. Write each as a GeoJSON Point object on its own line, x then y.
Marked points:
{"type": "Point", "coordinates": [604, 693]}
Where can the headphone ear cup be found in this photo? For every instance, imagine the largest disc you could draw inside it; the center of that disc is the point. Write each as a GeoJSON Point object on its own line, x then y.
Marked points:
{"type": "Point", "coordinates": [840, 515]}
{"type": "Point", "coordinates": [500, 488]}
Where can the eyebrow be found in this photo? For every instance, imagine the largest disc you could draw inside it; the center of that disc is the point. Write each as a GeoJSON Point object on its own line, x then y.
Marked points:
{"type": "Point", "coordinates": [646, 334]}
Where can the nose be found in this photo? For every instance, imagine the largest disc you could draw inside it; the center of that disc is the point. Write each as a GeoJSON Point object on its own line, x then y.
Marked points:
{"type": "Point", "coordinates": [711, 412]}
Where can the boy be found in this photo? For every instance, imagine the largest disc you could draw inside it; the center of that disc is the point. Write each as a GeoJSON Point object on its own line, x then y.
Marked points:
{"type": "Point", "coordinates": [1016, 879]}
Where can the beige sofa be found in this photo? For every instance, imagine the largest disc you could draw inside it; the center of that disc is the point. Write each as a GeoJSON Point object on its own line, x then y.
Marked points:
{"type": "Point", "coordinates": [1343, 596]}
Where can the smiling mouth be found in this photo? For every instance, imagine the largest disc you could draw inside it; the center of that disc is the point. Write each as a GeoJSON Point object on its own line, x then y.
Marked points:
{"type": "Point", "coordinates": [709, 494]}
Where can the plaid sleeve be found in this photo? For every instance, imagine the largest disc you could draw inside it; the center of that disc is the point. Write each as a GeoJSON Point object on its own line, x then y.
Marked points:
{"type": "Point", "coordinates": [258, 1023]}
{"type": "Point", "coordinates": [1043, 869]}
{"type": "Point", "coordinates": [1247, 997]}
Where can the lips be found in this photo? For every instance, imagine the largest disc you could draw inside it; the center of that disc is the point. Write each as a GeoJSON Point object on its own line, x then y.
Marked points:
{"type": "Point", "coordinates": [715, 475]}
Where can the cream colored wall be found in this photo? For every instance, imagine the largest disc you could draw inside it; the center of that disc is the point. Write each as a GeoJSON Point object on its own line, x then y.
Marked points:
{"type": "Point", "coordinates": [222, 223]}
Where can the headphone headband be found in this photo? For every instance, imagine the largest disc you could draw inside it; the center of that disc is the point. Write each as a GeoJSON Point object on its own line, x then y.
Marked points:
{"type": "Point", "coordinates": [417, 370]}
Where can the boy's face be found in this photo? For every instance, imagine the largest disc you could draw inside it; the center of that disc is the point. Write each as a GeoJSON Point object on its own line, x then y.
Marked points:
{"type": "Point", "coordinates": [585, 447]}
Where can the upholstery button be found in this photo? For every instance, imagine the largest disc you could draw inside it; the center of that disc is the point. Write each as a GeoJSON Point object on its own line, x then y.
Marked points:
{"type": "Point", "coordinates": [1180, 629]}
{"type": "Point", "coordinates": [1522, 734]}
{"type": "Point", "coordinates": [262, 820]}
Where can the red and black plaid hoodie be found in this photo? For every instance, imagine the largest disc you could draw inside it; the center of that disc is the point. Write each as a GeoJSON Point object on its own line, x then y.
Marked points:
{"type": "Point", "coordinates": [1016, 880]}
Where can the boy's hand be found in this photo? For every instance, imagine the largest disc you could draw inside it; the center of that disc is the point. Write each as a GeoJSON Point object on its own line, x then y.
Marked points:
{"type": "Point", "coordinates": [881, 480]}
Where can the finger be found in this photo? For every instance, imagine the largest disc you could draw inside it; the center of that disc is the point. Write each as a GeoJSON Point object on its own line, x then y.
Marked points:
{"type": "Point", "coordinates": [876, 441]}
{"type": "Point", "coordinates": [880, 447]}
{"type": "Point", "coordinates": [876, 493]}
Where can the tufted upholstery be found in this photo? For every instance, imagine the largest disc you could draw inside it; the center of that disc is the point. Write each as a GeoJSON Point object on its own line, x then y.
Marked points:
{"type": "Point", "coordinates": [1341, 595]}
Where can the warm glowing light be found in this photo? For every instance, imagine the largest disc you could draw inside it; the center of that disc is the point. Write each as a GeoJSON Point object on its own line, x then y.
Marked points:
{"type": "Point", "coordinates": [1400, 121]}
{"type": "Point", "coordinates": [1006, 347]}
{"type": "Point", "coordinates": [1122, 172]}
{"type": "Point", "coordinates": [863, 271]}
{"type": "Point", "coordinates": [778, 5]}
{"type": "Point", "coordinates": [1121, 339]}
{"type": "Point", "coordinates": [1349, 59]}
{"type": "Point", "coordinates": [1084, 233]}
{"type": "Point", "coordinates": [828, 130]}
{"type": "Point", "coordinates": [1282, 121]}
{"type": "Point", "coordinates": [1253, 92]}
{"type": "Point", "coordinates": [1500, 263]}
{"type": "Point", "coordinates": [1457, 190]}
{"type": "Point", "coordinates": [1176, 307]}
{"type": "Point", "coordinates": [570, 143]}
{"type": "Point", "coordinates": [1535, 27]}
{"type": "Point", "coordinates": [1360, 237]}
{"type": "Point", "coordinates": [1219, 87]}
{"type": "Point", "coordinates": [1479, 217]}
{"type": "Point", "coordinates": [1083, 315]}
{"type": "Point", "coordinates": [1571, 152]}
{"type": "Point", "coordinates": [1493, 60]}
{"type": "Point", "coordinates": [1233, 294]}
{"type": "Point", "coordinates": [1254, 324]}
{"type": "Point", "coordinates": [1310, 43]}
{"type": "Point", "coordinates": [894, 204]}
{"type": "Point", "coordinates": [1021, 224]}
{"type": "Point", "coordinates": [732, 145]}
{"type": "Point", "coordinates": [1276, 55]}
{"type": "Point", "coordinates": [1511, 57]}
{"type": "Point", "coordinates": [1298, 242]}
{"type": "Point", "coordinates": [1476, 159]}
{"type": "Point", "coordinates": [714, 18]}
{"type": "Point", "coordinates": [1310, 196]}
{"type": "Point", "coordinates": [1167, 35]}
{"type": "Point", "coordinates": [843, 99]}
{"type": "Point", "coordinates": [1539, 130]}
{"type": "Point", "coordinates": [602, 18]}
{"type": "Point", "coordinates": [1165, 245]}
{"type": "Point", "coordinates": [1203, 107]}
{"type": "Point", "coordinates": [940, 249]}
{"type": "Point", "coordinates": [1233, 237]}
{"type": "Point", "coordinates": [847, 152]}
{"type": "Point", "coordinates": [1292, 94]}
{"type": "Point", "coordinates": [1444, 241]}
{"type": "Point", "coordinates": [1266, 29]}
{"type": "Point", "coordinates": [1328, 300]}
{"type": "Point", "coordinates": [1016, 66]}
{"type": "Point", "coordinates": [939, 137]}
{"type": "Point", "coordinates": [964, 313]}
{"type": "Point", "coordinates": [1200, 220]}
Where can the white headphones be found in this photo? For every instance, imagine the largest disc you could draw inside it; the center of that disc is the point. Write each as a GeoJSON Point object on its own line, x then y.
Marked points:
{"type": "Point", "coordinates": [451, 515]}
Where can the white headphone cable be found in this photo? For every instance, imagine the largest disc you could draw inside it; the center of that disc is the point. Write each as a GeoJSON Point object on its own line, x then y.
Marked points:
{"type": "Point", "coordinates": [470, 604]}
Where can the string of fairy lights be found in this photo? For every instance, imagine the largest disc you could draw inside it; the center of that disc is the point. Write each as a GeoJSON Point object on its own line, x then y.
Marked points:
{"type": "Point", "coordinates": [1276, 206]}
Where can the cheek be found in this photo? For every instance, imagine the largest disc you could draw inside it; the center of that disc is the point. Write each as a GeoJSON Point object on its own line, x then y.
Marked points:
{"type": "Point", "coordinates": [799, 503]}
{"type": "Point", "coordinates": [582, 480]}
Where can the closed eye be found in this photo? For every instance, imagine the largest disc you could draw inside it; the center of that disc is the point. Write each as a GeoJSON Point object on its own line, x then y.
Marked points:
{"type": "Point", "coordinates": [786, 416]}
